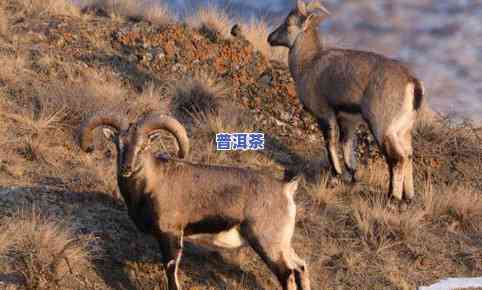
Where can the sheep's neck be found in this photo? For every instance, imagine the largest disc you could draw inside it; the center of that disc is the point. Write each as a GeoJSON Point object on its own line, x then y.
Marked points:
{"type": "Point", "coordinates": [304, 51]}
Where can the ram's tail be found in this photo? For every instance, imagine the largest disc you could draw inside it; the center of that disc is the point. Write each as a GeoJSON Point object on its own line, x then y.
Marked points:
{"type": "Point", "coordinates": [291, 186]}
{"type": "Point", "coordinates": [418, 94]}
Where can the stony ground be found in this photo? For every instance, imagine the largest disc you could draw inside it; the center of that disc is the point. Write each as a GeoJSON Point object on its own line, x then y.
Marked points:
{"type": "Point", "coordinates": [57, 70]}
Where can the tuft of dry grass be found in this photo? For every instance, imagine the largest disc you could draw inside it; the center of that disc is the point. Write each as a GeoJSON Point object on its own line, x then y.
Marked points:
{"type": "Point", "coordinates": [46, 116]}
{"type": "Point", "coordinates": [157, 13]}
{"type": "Point", "coordinates": [58, 104]}
{"type": "Point", "coordinates": [54, 7]}
{"type": "Point", "coordinates": [376, 175]}
{"type": "Point", "coordinates": [150, 100]}
{"type": "Point", "coordinates": [3, 23]}
{"type": "Point", "coordinates": [325, 194]}
{"type": "Point", "coordinates": [212, 21]}
{"type": "Point", "coordinates": [104, 89]}
{"type": "Point", "coordinates": [380, 227]}
{"type": "Point", "coordinates": [458, 202]}
{"type": "Point", "coordinates": [256, 31]}
{"type": "Point", "coordinates": [206, 125]}
{"type": "Point", "coordinates": [11, 67]}
{"type": "Point", "coordinates": [448, 151]}
{"type": "Point", "coordinates": [43, 252]}
{"type": "Point", "coordinates": [197, 95]}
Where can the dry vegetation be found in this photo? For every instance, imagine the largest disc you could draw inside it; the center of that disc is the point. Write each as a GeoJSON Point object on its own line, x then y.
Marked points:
{"type": "Point", "coordinates": [350, 235]}
{"type": "Point", "coordinates": [41, 253]}
{"type": "Point", "coordinates": [3, 23]}
{"type": "Point", "coordinates": [57, 7]}
{"type": "Point", "coordinates": [158, 13]}
{"type": "Point", "coordinates": [257, 31]}
{"type": "Point", "coordinates": [212, 21]}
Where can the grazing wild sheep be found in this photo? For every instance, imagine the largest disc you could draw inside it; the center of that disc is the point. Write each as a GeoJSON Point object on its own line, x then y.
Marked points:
{"type": "Point", "coordinates": [342, 88]}
{"type": "Point", "coordinates": [171, 198]}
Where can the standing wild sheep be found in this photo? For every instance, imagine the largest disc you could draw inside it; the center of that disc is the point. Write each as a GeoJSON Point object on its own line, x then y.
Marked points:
{"type": "Point", "coordinates": [345, 87]}
{"type": "Point", "coordinates": [172, 198]}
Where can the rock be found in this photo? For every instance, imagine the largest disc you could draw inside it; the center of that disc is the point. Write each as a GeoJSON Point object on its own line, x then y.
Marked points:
{"type": "Point", "coordinates": [284, 116]}
{"type": "Point", "coordinates": [236, 31]}
{"type": "Point", "coordinates": [146, 58]}
{"type": "Point", "coordinates": [132, 58]}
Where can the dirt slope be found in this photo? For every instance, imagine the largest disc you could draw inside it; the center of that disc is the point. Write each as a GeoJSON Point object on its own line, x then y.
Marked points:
{"type": "Point", "coordinates": [56, 71]}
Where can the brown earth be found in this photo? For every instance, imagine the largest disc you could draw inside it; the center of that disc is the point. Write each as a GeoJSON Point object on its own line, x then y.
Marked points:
{"type": "Point", "coordinates": [57, 70]}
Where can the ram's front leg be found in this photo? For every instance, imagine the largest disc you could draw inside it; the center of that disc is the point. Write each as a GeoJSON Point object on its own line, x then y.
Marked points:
{"type": "Point", "coordinates": [348, 125]}
{"type": "Point", "coordinates": [329, 128]}
{"type": "Point", "coordinates": [171, 245]}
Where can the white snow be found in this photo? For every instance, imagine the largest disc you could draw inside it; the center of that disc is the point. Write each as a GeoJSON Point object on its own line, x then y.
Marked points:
{"type": "Point", "coordinates": [455, 283]}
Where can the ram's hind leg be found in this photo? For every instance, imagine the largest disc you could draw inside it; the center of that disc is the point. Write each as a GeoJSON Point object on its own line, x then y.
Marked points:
{"type": "Point", "coordinates": [396, 158]}
{"type": "Point", "coordinates": [290, 270]}
{"type": "Point", "coordinates": [398, 148]}
{"type": "Point", "coordinates": [408, 185]}
{"type": "Point", "coordinates": [272, 242]}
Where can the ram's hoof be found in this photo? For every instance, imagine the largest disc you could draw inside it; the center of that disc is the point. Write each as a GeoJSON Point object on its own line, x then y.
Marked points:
{"type": "Point", "coordinates": [349, 177]}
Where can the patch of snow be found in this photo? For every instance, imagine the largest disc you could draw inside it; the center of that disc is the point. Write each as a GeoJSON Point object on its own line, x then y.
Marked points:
{"type": "Point", "coordinates": [455, 283]}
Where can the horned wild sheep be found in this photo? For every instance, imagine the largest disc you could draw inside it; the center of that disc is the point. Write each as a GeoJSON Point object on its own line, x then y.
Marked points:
{"type": "Point", "coordinates": [170, 198]}
{"type": "Point", "coordinates": [343, 88]}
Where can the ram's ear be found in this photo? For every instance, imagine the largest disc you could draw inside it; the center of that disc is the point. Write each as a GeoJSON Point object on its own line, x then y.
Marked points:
{"type": "Point", "coordinates": [109, 133]}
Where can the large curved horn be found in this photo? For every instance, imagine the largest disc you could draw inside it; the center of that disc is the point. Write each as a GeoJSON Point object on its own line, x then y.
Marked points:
{"type": "Point", "coordinates": [156, 122]}
{"type": "Point", "coordinates": [86, 131]}
{"type": "Point", "coordinates": [315, 5]}
{"type": "Point", "coordinates": [301, 7]}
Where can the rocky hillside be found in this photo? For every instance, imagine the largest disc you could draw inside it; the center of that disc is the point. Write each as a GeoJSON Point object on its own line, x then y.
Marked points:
{"type": "Point", "coordinates": [59, 65]}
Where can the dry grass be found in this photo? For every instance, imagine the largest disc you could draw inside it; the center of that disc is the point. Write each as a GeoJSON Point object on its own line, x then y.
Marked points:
{"type": "Point", "coordinates": [324, 193]}
{"type": "Point", "coordinates": [197, 95]}
{"type": "Point", "coordinates": [53, 7]}
{"type": "Point", "coordinates": [103, 88]}
{"type": "Point", "coordinates": [46, 117]}
{"type": "Point", "coordinates": [380, 227]}
{"type": "Point", "coordinates": [3, 23]}
{"type": "Point", "coordinates": [447, 150]}
{"type": "Point", "coordinates": [376, 175]}
{"type": "Point", "coordinates": [156, 13]}
{"type": "Point", "coordinates": [215, 22]}
{"type": "Point", "coordinates": [150, 100]}
{"type": "Point", "coordinates": [203, 106]}
{"type": "Point", "coordinates": [59, 104]}
{"type": "Point", "coordinates": [212, 21]}
{"type": "Point", "coordinates": [256, 31]}
{"type": "Point", "coordinates": [13, 67]}
{"type": "Point", "coordinates": [229, 119]}
{"type": "Point", "coordinates": [45, 253]}
{"type": "Point", "coordinates": [352, 237]}
{"type": "Point", "coordinates": [462, 204]}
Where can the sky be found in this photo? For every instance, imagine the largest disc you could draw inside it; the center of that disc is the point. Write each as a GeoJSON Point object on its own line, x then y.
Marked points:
{"type": "Point", "coordinates": [244, 7]}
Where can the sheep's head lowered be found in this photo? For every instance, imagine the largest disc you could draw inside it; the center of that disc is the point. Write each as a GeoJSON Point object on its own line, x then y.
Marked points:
{"type": "Point", "coordinates": [133, 140]}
